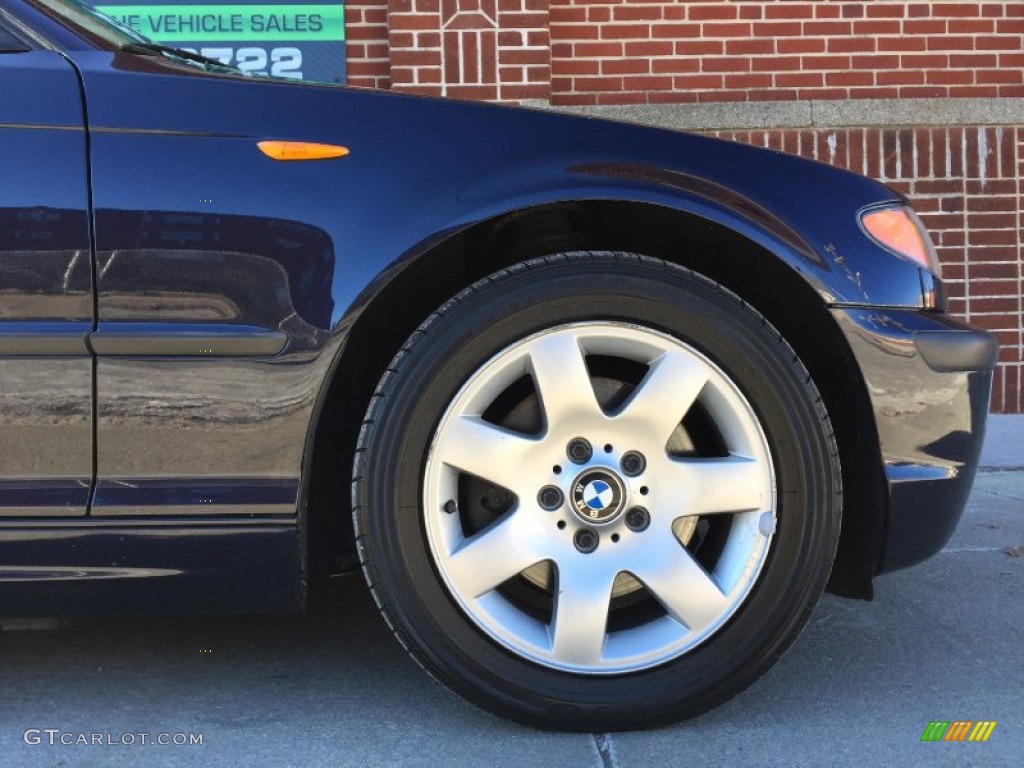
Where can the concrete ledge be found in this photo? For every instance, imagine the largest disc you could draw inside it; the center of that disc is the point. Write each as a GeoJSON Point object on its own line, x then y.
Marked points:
{"type": "Point", "coordinates": [767, 115]}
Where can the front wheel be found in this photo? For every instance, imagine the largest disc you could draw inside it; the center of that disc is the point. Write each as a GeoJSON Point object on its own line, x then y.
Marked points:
{"type": "Point", "coordinates": [596, 492]}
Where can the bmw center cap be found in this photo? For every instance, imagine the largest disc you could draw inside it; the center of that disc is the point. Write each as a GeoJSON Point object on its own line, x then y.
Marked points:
{"type": "Point", "coordinates": [597, 496]}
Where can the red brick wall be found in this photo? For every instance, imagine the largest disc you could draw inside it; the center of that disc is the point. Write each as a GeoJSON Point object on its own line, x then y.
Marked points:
{"type": "Point", "coordinates": [636, 52]}
{"type": "Point", "coordinates": [967, 183]}
{"type": "Point", "coordinates": [366, 30]}
{"type": "Point", "coordinates": [472, 49]}
{"type": "Point", "coordinates": [966, 180]}
{"type": "Point", "coordinates": [656, 51]}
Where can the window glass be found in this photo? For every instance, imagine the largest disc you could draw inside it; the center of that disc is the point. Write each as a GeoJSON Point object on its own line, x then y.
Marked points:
{"type": "Point", "coordinates": [93, 25]}
{"type": "Point", "coordinates": [10, 43]}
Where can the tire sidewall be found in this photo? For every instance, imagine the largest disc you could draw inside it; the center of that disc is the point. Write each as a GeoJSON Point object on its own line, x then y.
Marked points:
{"type": "Point", "coordinates": [500, 311]}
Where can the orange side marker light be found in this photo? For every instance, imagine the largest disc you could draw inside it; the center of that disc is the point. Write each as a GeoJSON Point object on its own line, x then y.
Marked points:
{"type": "Point", "coordinates": [300, 150]}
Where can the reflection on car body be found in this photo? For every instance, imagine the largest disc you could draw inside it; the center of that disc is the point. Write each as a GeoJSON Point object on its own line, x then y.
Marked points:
{"type": "Point", "coordinates": [599, 409]}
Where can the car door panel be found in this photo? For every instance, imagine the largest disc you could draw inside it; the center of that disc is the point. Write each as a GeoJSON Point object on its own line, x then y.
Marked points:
{"type": "Point", "coordinates": [46, 298]}
{"type": "Point", "coordinates": [212, 319]}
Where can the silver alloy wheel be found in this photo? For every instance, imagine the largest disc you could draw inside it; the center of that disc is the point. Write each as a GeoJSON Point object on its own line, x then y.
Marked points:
{"type": "Point", "coordinates": [736, 489]}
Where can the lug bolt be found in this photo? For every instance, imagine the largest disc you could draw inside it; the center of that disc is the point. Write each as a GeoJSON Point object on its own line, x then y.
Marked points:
{"type": "Point", "coordinates": [579, 450]}
{"type": "Point", "coordinates": [633, 463]}
{"type": "Point", "coordinates": [637, 519]}
{"type": "Point", "coordinates": [550, 497]}
{"type": "Point", "coordinates": [585, 540]}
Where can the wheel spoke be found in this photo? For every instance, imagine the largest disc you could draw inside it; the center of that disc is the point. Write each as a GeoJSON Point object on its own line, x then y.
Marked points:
{"type": "Point", "coordinates": [581, 614]}
{"type": "Point", "coordinates": [681, 585]}
{"type": "Point", "coordinates": [563, 382]}
{"type": "Point", "coordinates": [487, 451]}
{"type": "Point", "coordinates": [493, 556]}
{"type": "Point", "coordinates": [698, 596]}
{"type": "Point", "coordinates": [718, 486]}
{"type": "Point", "coordinates": [666, 393]}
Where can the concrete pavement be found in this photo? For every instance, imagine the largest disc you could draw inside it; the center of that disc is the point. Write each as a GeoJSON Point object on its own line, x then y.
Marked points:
{"type": "Point", "coordinates": [1004, 443]}
{"type": "Point", "coordinates": [942, 641]}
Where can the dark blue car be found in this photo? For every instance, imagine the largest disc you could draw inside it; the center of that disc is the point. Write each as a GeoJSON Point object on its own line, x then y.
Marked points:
{"type": "Point", "coordinates": [600, 410]}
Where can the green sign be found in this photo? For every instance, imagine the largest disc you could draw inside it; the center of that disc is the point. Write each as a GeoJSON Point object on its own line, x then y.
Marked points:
{"type": "Point", "coordinates": [211, 23]}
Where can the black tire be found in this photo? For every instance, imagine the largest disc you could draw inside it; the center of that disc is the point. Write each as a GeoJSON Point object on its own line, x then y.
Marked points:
{"type": "Point", "coordinates": [509, 306]}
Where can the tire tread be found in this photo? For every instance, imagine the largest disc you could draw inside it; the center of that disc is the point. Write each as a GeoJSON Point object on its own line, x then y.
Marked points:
{"type": "Point", "coordinates": [380, 400]}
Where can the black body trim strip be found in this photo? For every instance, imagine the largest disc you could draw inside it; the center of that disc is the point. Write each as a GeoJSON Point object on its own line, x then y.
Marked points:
{"type": "Point", "coordinates": [186, 340]}
{"type": "Point", "coordinates": [40, 127]}
{"type": "Point", "coordinates": [120, 523]}
{"type": "Point", "coordinates": [33, 341]}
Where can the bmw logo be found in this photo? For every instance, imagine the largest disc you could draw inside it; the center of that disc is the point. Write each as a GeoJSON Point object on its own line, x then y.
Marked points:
{"type": "Point", "coordinates": [597, 496]}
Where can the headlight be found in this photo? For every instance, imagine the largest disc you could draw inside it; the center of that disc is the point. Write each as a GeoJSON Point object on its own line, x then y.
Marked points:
{"type": "Point", "coordinates": [900, 231]}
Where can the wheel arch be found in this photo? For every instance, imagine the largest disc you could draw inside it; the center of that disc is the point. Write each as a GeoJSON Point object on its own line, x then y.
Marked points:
{"type": "Point", "coordinates": [770, 284]}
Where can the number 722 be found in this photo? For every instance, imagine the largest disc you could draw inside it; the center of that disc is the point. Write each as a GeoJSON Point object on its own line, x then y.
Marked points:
{"type": "Point", "coordinates": [284, 62]}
